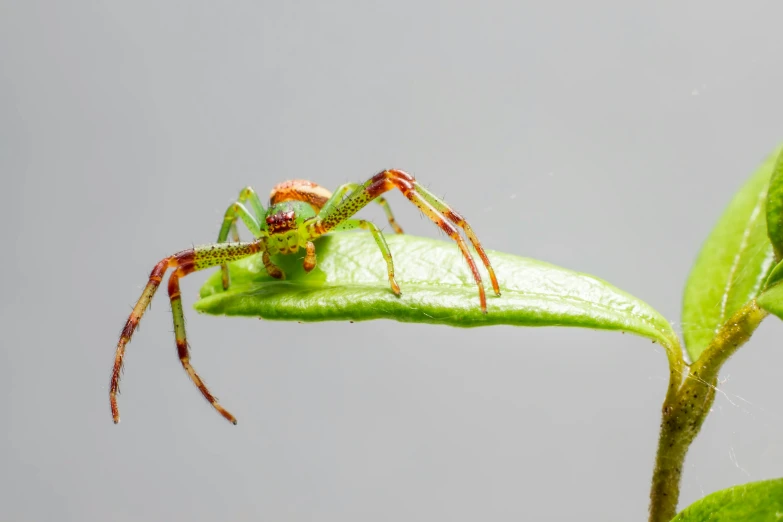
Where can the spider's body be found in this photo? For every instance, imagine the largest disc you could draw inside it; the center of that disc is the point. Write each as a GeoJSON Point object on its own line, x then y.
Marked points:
{"type": "Point", "coordinates": [284, 223]}
{"type": "Point", "coordinates": [299, 212]}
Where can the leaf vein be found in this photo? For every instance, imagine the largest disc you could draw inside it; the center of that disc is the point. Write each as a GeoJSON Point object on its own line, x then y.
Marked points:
{"type": "Point", "coordinates": [731, 279]}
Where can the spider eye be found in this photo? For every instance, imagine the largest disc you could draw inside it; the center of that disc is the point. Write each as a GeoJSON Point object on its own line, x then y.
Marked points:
{"type": "Point", "coordinates": [281, 221]}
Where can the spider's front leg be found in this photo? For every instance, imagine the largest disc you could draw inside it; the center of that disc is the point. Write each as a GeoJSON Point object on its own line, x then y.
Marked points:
{"type": "Point", "coordinates": [182, 264]}
{"type": "Point", "coordinates": [339, 195]}
{"type": "Point", "coordinates": [432, 207]}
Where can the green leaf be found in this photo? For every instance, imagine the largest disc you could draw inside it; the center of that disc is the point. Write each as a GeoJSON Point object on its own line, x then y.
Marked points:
{"type": "Point", "coordinates": [732, 266]}
{"type": "Point", "coordinates": [775, 276]}
{"type": "Point", "coordinates": [754, 502]}
{"type": "Point", "coordinates": [771, 299]}
{"type": "Point", "coordinates": [775, 206]}
{"type": "Point", "coordinates": [350, 283]}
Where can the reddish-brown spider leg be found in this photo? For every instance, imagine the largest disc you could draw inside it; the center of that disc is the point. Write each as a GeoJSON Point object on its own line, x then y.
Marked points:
{"type": "Point", "coordinates": [432, 206]}
{"type": "Point", "coordinates": [460, 221]}
{"type": "Point", "coordinates": [182, 263]}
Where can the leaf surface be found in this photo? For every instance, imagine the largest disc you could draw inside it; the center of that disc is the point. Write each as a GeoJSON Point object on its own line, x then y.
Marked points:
{"type": "Point", "coordinates": [775, 206]}
{"type": "Point", "coordinates": [732, 265]}
{"type": "Point", "coordinates": [755, 502]}
{"type": "Point", "coordinates": [350, 283]}
{"type": "Point", "coordinates": [771, 299]}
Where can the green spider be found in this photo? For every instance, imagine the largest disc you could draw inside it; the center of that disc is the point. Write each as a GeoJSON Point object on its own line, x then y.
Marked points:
{"type": "Point", "coordinates": [300, 211]}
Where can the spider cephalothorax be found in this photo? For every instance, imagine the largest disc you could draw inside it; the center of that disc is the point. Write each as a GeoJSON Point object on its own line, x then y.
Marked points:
{"type": "Point", "coordinates": [300, 212]}
{"type": "Point", "coordinates": [283, 227]}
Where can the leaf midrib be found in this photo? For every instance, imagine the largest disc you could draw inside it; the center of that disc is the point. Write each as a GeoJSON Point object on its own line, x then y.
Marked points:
{"type": "Point", "coordinates": [740, 252]}
{"type": "Point", "coordinates": [248, 288]}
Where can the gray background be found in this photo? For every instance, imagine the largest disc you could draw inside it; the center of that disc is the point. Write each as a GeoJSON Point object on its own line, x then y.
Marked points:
{"type": "Point", "coordinates": [605, 137]}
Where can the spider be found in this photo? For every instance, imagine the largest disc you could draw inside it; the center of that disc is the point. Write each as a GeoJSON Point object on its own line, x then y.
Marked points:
{"type": "Point", "coordinates": [299, 212]}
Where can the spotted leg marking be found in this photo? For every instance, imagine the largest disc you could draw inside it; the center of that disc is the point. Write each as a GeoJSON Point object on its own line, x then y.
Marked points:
{"type": "Point", "coordinates": [430, 205]}
{"type": "Point", "coordinates": [343, 190]}
{"type": "Point", "coordinates": [182, 263]}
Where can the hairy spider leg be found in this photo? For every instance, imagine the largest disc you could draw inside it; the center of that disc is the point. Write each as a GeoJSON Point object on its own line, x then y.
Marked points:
{"type": "Point", "coordinates": [253, 221]}
{"type": "Point", "coordinates": [343, 190]}
{"type": "Point", "coordinates": [182, 264]}
{"type": "Point", "coordinates": [351, 224]}
{"type": "Point", "coordinates": [389, 179]}
{"type": "Point", "coordinates": [442, 207]}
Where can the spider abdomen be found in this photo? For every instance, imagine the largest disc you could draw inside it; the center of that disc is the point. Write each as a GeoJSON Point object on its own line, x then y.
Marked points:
{"type": "Point", "coordinates": [300, 190]}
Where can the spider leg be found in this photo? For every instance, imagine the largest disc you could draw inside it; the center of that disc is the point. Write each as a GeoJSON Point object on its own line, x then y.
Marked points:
{"type": "Point", "coordinates": [433, 207]}
{"type": "Point", "coordinates": [252, 222]}
{"type": "Point", "coordinates": [343, 190]}
{"type": "Point", "coordinates": [182, 264]}
{"type": "Point", "coordinates": [351, 224]}
{"type": "Point", "coordinates": [309, 259]}
{"type": "Point", "coordinates": [271, 268]}
{"type": "Point", "coordinates": [460, 221]}
{"type": "Point", "coordinates": [234, 232]}
{"type": "Point", "coordinates": [320, 198]}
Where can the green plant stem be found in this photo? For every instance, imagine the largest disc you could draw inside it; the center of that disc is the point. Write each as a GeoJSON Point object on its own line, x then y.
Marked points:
{"type": "Point", "coordinates": [684, 411]}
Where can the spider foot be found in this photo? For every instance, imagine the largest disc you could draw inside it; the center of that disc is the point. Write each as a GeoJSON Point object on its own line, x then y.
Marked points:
{"type": "Point", "coordinates": [272, 269]}
{"type": "Point", "coordinates": [395, 287]}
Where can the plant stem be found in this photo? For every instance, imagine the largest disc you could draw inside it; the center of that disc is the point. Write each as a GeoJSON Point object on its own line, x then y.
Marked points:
{"type": "Point", "coordinates": [684, 412]}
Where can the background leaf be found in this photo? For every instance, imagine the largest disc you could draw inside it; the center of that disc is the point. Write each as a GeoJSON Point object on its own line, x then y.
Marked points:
{"type": "Point", "coordinates": [350, 283]}
{"type": "Point", "coordinates": [732, 265]}
{"type": "Point", "coordinates": [775, 206]}
{"type": "Point", "coordinates": [775, 276]}
{"type": "Point", "coordinates": [771, 299]}
{"type": "Point", "coordinates": [754, 502]}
